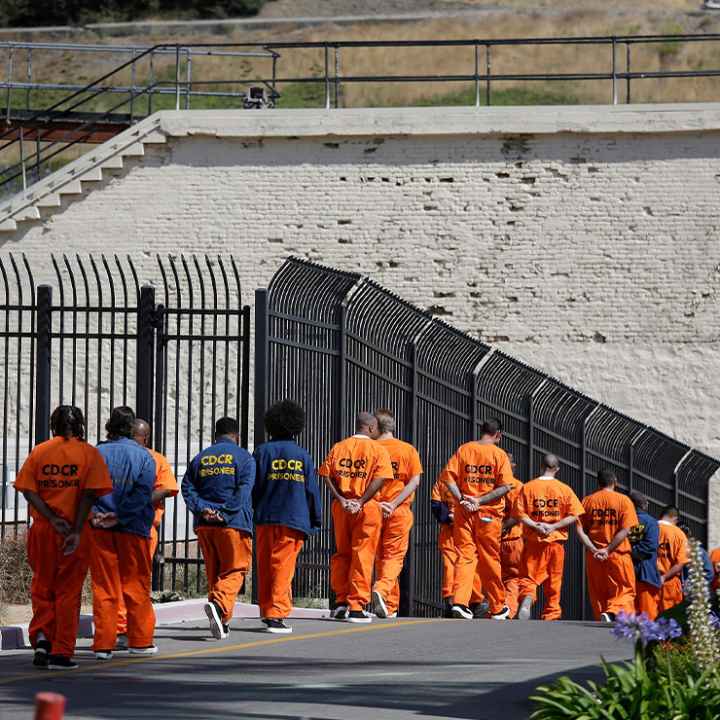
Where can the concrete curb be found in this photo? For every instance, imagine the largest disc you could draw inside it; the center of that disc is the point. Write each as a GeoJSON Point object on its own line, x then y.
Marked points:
{"type": "Point", "coordinates": [15, 637]}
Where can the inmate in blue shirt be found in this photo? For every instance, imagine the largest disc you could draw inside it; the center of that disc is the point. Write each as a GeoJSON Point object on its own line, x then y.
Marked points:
{"type": "Point", "coordinates": [221, 477]}
{"type": "Point", "coordinates": [286, 491]}
{"type": "Point", "coordinates": [132, 470]}
{"type": "Point", "coordinates": [644, 539]}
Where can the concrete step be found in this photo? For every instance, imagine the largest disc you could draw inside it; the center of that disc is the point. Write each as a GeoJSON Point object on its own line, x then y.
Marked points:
{"type": "Point", "coordinates": [113, 163]}
{"type": "Point", "coordinates": [7, 226]}
{"type": "Point", "coordinates": [27, 213]}
{"type": "Point", "coordinates": [134, 150]}
{"type": "Point", "coordinates": [49, 201]}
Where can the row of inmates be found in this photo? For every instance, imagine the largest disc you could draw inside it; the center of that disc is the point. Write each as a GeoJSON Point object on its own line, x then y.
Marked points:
{"type": "Point", "coordinates": [503, 539]}
{"type": "Point", "coordinates": [99, 509]}
{"type": "Point", "coordinates": [119, 487]}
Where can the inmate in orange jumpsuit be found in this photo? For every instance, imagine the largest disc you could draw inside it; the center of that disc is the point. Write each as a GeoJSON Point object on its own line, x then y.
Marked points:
{"type": "Point", "coordinates": [220, 480]}
{"type": "Point", "coordinates": [511, 547]}
{"type": "Point", "coordinates": [164, 480]}
{"type": "Point", "coordinates": [287, 504]}
{"type": "Point", "coordinates": [446, 546]}
{"type": "Point", "coordinates": [395, 530]}
{"type": "Point", "coordinates": [477, 468]}
{"type": "Point", "coordinates": [611, 582]}
{"type": "Point", "coordinates": [120, 565]}
{"type": "Point", "coordinates": [545, 499]}
{"type": "Point", "coordinates": [715, 560]}
{"type": "Point", "coordinates": [352, 465]}
{"type": "Point", "coordinates": [59, 471]}
{"type": "Point", "coordinates": [672, 550]}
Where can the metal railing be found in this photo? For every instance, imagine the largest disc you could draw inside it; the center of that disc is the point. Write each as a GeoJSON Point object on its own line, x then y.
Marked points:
{"type": "Point", "coordinates": [96, 335]}
{"type": "Point", "coordinates": [339, 343]}
{"type": "Point", "coordinates": [168, 76]}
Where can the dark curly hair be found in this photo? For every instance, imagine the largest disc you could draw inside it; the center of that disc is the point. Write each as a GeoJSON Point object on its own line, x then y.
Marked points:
{"type": "Point", "coordinates": [67, 421]}
{"type": "Point", "coordinates": [121, 422]}
{"type": "Point", "coordinates": [285, 420]}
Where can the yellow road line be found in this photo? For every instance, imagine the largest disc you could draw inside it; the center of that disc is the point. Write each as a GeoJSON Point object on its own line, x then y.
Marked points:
{"type": "Point", "coordinates": [114, 664]}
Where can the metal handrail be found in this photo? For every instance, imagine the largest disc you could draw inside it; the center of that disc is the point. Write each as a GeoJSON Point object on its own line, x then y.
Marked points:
{"type": "Point", "coordinates": [185, 87]}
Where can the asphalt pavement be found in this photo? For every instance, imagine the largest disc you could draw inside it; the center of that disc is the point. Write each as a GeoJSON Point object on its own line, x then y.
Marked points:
{"type": "Point", "coordinates": [390, 670]}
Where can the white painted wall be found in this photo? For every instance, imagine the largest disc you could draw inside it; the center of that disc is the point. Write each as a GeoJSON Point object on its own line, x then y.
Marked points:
{"type": "Point", "coordinates": [583, 241]}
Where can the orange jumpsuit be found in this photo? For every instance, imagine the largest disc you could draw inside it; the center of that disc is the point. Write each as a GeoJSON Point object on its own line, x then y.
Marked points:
{"type": "Point", "coordinates": [164, 480]}
{"type": "Point", "coordinates": [672, 550]}
{"type": "Point", "coordinates": [715, 560]}
{"type": "Point", "coordinates": [395, 530]}
{"type": "Point", "coordinates": [448, 551]}
{"type": "Point", "coordinates": [611, 582]}
{"type": "Point", "coordinates": [352, 465]}
{"type": "Point", "coordinates": [59, 470]}
{"type": "Point", "coordinates": [477, 468]}
{"type": "Point", "coordinates": [545, 499]}
{"type": "Point", "coordinates": [511, 546]}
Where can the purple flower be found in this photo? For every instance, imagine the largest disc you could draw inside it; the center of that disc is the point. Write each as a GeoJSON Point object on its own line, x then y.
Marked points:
{"type": "Point", "coordinates": [714, 621]}
{"type": "Point", "coordinates": [640, 627]}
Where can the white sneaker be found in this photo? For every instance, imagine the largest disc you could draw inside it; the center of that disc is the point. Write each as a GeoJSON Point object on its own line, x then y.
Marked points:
{"type": "Point", "coordinates": [392, 615]}
{"type": "Point", "coordinates": [339, 613]}
{"type": "Point", "coordinates": [525, 608]}
{"type": "Point", "coordinates": [462, 612]}
{"type": "Point", "coordinates": [607, 617]}
{"type": "Point", "coordinates": [152, 650]}
{"type": "Point", "coordinates": [379, 605]}
{"type": "Point", "coordinates": [103, 655]}
{"type": "Point", "coordinates": [358, 616]}
{"type": "Point", "coordinates": [504, 614]}
{"type": "Point", "coordinates": [213, 616]}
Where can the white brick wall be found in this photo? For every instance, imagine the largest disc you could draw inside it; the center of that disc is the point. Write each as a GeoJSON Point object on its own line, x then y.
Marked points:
{"type": "Point", "coordinates": [592, 256]}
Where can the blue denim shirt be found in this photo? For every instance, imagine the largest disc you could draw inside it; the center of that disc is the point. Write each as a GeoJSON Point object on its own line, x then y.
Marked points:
{"type": "Point", "coordinates": [221, 477]}
{"type": "Point", "coordinates": [132, 470]}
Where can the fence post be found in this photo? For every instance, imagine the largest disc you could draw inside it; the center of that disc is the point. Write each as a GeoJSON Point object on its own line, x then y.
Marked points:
{"type": "Point", "coordinates": [261, 391]}
{"type": "Point", "coordinates": [42, 363]}
{"type": "Point", "coordinates": [245, 389]}
{"type": "Point", "coordinates": [158, 428]}
{"type": "Point", "coordinates": [261, 364]}
{"type": "Point", "coordinates": [407, 576]}
{"type": "Point", "coordinates": [145, 353]}
{"type": "Point", "coordinates": [342, 373]}
{"type": "Point", "coordinates": [614, 71]}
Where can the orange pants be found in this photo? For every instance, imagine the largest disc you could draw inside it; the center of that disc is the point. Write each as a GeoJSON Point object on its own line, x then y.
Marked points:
{"type": "Point", "coordinates": [671, 594]}
{"type": "Point", "coordinates": [511, 564]}
{"type": "Point", "coordinates": [122, 610]}
{"type": "Point", "coordinates": [477, 540]}
{"type": "Point", "coordinates": [611, 584]}
{"type": "Point", "coordinates": [277, 550]}
{"type": "Point", "coordinates": [391, 551]}
{"type": "Point", "coordinates": [449, 555]}
{"type": "Point", "coordinates": [120, 567]}
{"type": "Point", "coordinates": [228, 554]}
{"type": "Point", "coordinates": [356, 540]}
{"type": "Point", "coordinates": [647, 599]}
{"type": "Point", "coordinates": [56, 589]}
{"type": "Point", "coordinates": [542, 564]}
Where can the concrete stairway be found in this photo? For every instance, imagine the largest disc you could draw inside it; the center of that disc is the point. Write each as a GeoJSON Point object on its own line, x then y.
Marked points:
{"type": "Point", "coordinates": [78, 177]}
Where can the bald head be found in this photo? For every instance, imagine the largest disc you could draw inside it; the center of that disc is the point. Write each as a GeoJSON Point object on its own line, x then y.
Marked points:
{"type": "Point", "coordinates": [550, 464]}
{"type": "Point", "coordinates": [141, 432]}
{"type": "Point", "coordinates": [366, 424]}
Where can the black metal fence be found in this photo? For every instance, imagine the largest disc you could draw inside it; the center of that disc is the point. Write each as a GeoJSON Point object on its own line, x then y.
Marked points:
{"type": "Point", "coordinates": [97, 335]}
{"type": "Point", "coordinates": [339, 343]}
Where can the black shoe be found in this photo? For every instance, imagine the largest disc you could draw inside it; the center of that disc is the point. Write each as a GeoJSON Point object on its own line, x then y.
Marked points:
{"type": "Point", "coordinates": [277, 626]}
{"type": "Point", "coordinates": [607, 617]}
{"type": "Point", "coordinates": [226, 630]}
{"type": "Point", "coordinates": [447, 610]}
{"type": "Point", "coordinates": [358, 616]}
{"type": "Point", "coordinates": [42, 652]}
{"type": "Point", "coordinates": [480, 610]}
{"type": "Point", "coordinates": [462, 612]}
{"type": "Point", "coordinates": [60, 662]}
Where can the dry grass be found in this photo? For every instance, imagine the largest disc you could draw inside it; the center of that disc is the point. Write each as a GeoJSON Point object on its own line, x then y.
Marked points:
{"type": "Point", "coordinates": [15, 574]}
{"type": "Point", "coordinates": [543, 19]}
